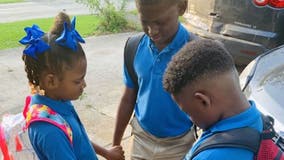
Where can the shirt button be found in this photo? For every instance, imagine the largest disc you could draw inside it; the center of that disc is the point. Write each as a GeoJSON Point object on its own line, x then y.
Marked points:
{"type": "Point", "coordinates": [158, 60]}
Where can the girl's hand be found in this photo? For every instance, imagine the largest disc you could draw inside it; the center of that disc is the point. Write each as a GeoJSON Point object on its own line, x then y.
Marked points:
{"type": "Point", "coordinates": [115, 153]}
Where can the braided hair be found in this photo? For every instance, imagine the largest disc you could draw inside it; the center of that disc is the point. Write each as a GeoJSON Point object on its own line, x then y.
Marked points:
{"type": "Point", "coordinates": [56, 59]}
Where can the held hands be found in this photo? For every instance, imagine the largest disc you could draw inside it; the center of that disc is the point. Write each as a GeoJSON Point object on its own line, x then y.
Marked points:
{"type": "Point", "coordinates": [115, 153]}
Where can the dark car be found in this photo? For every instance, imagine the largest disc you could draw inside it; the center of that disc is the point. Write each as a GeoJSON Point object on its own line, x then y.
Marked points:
{"type": "Point", "coordinates": [263, 82]}
{"type": "Point", "coordinates": [246, 27]}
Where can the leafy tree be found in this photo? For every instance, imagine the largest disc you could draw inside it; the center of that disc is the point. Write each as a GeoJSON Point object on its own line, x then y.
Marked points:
{"type": "Point", "coordinates": [112, 14]}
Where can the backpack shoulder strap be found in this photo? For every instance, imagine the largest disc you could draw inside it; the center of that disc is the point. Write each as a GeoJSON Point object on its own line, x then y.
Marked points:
{"type": "Point", "coordinates": [130, 49]}
{"type": "Point", "coordinates": [40, 112]}
{"type": "Point", "coordinates": [246, 138]}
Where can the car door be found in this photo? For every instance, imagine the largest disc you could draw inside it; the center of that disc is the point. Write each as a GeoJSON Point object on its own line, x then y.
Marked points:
{"type": "Point", "coordinates": [240, 19]}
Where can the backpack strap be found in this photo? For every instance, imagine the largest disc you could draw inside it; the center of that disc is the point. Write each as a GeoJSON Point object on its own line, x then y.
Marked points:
{"type": "Point", "coordinates": [40, 112]}
{"type": "Point", "coordinates": [130, 49]}
{"type": "Point", "coordinates": [246, 138]}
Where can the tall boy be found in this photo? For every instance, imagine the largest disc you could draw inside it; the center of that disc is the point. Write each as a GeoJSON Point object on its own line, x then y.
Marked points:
{"type": "Point", "coordinates": [204, 82]}
{"type": "Point", "coordinates": [160, 129]}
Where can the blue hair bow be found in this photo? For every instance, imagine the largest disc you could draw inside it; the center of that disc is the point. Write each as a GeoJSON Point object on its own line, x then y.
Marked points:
{"type": "Point", "coordinates": [33, 38]}
{"type": "Point", "coordinates": [70, 37]}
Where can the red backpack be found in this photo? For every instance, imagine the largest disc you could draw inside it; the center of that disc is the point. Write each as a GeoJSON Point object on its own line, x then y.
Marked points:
{"type": "Point", "coordinates": [267, 145]}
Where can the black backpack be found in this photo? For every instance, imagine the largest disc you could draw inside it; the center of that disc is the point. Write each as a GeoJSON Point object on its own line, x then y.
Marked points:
{"type": "Point", "coordinates": [267, 145]}
{"type": "Point", "coordinates": [130, 49]}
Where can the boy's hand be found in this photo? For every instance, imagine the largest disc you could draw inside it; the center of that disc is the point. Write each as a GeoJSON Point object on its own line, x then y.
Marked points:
{"type": "Point", "coordinates": [115, 153]}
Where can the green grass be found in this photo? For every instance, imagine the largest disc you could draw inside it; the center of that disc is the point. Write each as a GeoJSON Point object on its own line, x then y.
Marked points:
{"type": "Point", "coordinates": [12, 32]}
{"type": "Point", "coordinates": [10, 1]}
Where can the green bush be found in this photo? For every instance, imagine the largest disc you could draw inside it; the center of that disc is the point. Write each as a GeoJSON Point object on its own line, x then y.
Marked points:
{"type": "Point", "coordinates": [112, 16]}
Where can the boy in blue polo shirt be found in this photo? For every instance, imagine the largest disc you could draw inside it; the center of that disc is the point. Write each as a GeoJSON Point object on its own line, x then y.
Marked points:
{"type": "Point", "coordinates": [160, 129]}
{"type": "Point", "coordinates": [204, 82]}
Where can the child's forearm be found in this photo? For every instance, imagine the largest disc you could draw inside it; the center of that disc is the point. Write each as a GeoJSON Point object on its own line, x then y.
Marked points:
{"type": "Point", "coordinates": [114, 153]}
{"type": "Point", "coordinates": [100, 150]}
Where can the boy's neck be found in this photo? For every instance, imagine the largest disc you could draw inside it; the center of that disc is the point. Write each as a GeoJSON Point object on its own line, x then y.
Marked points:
{"type": "Point", "coordinates": [161, 46]}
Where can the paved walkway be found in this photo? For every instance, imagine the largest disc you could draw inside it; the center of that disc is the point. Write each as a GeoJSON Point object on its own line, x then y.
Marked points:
{"type": "Point", "coordinates": [39, 9]}
{"type": "Point", "coordinates": [31, 9]}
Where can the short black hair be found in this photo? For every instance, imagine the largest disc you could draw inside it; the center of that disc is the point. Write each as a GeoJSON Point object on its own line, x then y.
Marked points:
{"type": "Point", "coordinates": [198, 59]}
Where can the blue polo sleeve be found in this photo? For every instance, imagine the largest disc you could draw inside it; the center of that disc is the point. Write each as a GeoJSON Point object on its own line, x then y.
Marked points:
{"type": "Point", "coordinates": [49, 142]}
{"type": "Point", "coordinates": [126, 78]}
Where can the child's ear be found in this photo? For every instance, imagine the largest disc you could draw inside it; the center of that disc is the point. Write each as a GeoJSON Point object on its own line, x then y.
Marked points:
{"type": "Point", "coordinates": [203, 99]}
{"type": "Point", "coordinates": [182, 7]}
{"type": "Point", "coordinates": [51, 81]}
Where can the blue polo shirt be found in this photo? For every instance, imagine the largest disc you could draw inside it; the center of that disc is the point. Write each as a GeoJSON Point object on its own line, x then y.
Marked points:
{"type": "Point", "coordinates": [155, 110]}
{"type": "Point", "coordinates": [249, 118]}
{"type": "Point", "coordinates": [51, 143]}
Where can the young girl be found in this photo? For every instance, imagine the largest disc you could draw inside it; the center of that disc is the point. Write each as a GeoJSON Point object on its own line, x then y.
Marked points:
{"type": "Point", "coordinates": [56, 65]}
